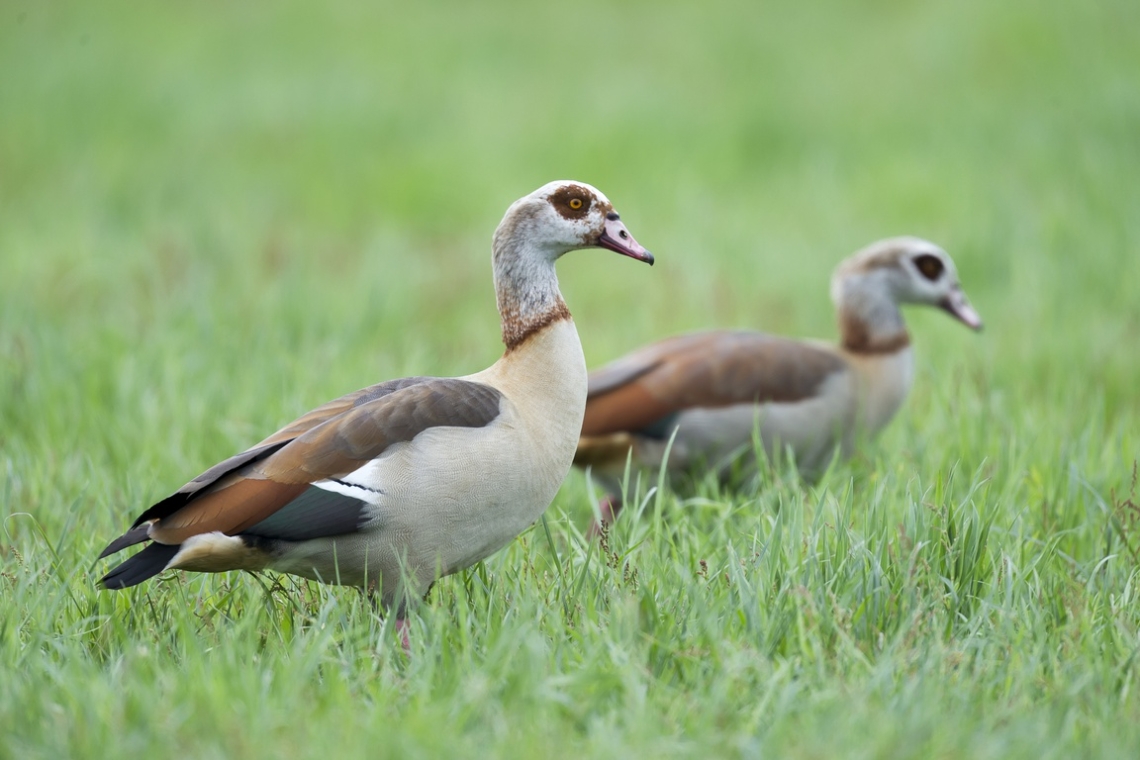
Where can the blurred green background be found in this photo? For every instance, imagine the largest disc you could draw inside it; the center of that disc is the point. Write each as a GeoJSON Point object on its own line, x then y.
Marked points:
{"type": "Point", "coordinates": [303, 195]}
{"type": "Point", "coordinates": [214, 216]}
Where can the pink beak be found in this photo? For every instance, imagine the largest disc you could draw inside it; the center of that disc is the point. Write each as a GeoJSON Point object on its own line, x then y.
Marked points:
{"type": "Point", "coordinates": [958, 306]}
{"type": "Point", "coordinates": [617, 238]}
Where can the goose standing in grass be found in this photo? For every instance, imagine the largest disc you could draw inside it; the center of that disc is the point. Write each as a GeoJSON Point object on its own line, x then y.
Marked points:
{"type": "Point", "coordinates": [711, 391]}
{"type": "Point", "coordinates": [414, 478]}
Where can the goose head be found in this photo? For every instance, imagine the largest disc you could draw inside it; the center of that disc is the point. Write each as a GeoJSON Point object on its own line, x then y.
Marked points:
{"type": "Point", "coordinates": [908, 270]}
{"type": "Point", "coordinates": [565, 216]}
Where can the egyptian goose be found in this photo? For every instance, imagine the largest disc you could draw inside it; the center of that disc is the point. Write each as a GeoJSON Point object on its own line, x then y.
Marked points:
{"type": "Point", "coordinates": [413, 478]}
{"type": "Point", "coordinates": [708, 391]}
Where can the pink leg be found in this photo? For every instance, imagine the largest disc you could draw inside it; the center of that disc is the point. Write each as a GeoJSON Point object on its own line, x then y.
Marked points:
{"type": "Point", "coordinates": [402, 629]}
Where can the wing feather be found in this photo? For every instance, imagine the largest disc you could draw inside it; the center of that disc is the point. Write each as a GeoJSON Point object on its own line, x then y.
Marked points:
{"type": "Point", "coordinates": [332, 449]}
{"type": "Point", "coordinates": [274, 443]}
{"type": "Point", "coordinates": [706, 370]}
{"type": "Point", "coordinates": [329, 442]}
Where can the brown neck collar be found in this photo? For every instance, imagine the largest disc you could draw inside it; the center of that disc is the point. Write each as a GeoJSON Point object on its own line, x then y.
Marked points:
{"type": "Point", "coordinates": [859, 335]}
{"type": "Point", "coordinates": [519, 327]}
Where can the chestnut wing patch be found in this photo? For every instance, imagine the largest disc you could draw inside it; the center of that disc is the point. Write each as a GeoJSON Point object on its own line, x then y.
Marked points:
{"type": "Point", "coordinates": [702, 370]}
{"type": "Point", "coordinates": [341, 445]}
{"type": "Point", "coordinates": [274, 443]}
{"type": "Point", "coordinates": [329, 451]}
{"type": "Point", "coordinates": [339, 406]}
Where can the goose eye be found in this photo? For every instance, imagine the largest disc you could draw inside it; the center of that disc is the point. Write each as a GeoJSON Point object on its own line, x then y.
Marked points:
{"type": "Point", "coordinates": [571, 201]}
{"type": "Point", "coordinates": [929, 266]}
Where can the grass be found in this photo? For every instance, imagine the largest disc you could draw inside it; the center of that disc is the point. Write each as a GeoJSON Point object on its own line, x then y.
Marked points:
{"type": "Point", "coordinates": [217, 216]}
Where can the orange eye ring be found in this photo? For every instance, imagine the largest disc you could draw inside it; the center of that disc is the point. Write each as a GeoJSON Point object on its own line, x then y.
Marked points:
{"type": "Point", "coordinates": [575, 203]}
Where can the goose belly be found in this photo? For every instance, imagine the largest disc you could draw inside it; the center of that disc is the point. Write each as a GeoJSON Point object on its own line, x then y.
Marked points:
{"type": "Point", "coordinates": [715, 437]}
{"type": "Point", "coordinates": [438, 504]}
{"type": "Point", "coordinates": [884, 383]}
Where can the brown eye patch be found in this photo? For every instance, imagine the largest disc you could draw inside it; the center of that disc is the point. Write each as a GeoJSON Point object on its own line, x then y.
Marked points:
{"type": "Point", "coordinates": [572, 201]}
{"type": "Point", "coordinates": [929, 266]}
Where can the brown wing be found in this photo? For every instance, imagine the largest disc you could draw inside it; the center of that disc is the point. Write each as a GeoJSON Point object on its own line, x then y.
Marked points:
{"type": "Point", "coordinates": [339, 406]}
{"type": "Point", "coordinates": [710, 369]}
{"type": "Point", "coordinates": [273, 443]}
{"type": "Point", "coordinates": [329, 442]}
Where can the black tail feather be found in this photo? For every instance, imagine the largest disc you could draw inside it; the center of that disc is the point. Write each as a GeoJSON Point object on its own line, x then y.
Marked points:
{"type": "Point", "coordinates": [133, 536]}
{"type": "Point", "coordinates": [146, 564]}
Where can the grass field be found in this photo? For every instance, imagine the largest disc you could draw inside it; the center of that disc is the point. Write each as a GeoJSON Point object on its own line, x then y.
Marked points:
{"type": "Point", "coordinates": [214, 217]}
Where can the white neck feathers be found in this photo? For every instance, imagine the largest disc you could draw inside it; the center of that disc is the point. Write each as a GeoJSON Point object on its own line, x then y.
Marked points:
{"type": "Point", "coordinates": [526, 287]}
{"type": "Point", "coordinates": [870, 321]}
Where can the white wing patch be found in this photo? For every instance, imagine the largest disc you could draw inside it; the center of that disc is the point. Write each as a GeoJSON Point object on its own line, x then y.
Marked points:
{"type": "Point", "coordinates": [353, 487]}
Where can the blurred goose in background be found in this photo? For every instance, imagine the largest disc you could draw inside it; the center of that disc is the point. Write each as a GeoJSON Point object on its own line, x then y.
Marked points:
{"type": "Point", "coordinates": [714, 390]}
{"type": "Point", "coordinates": [414, 478]}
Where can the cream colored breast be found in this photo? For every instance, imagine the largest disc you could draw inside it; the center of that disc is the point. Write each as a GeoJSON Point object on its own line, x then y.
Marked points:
{"type": "Point", "coordinates": [545, 379]}
{"type": "Point", "coordinates": [492, 483]}
{"type": "Point", "coordinates": [452, 496]}
{"type": "Point", "coordinates": [884, 380]}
